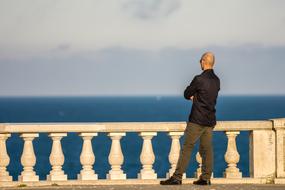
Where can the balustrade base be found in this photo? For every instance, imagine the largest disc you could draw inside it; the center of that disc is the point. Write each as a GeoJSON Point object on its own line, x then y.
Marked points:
{"type": "Point", "coordinates": [87, 176]}
{"type": "Point", "coordinates": [57, 178]}
{"type": "Point", "coordinates": [6, 178]}
{"type": "Point", "coordinates": [147, 175]}
{"type": "Point", "coordinates": [116, 175]}
{"type": "Point", "coordinates": [233, 175]}
{"type": "Point", "coordinates": [25, 178]}
{"type": "Point", "coordinates": [279, 180]}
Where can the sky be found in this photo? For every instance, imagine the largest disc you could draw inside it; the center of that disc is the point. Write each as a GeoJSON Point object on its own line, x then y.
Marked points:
{"type": "Point", "coordinates": [139, 47]}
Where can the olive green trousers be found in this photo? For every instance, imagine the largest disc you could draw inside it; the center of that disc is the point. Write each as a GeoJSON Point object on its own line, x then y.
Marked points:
{"type": "Point", "coordinates": [192, 134]}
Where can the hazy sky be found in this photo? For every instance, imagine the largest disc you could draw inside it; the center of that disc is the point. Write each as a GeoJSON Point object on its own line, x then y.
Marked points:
{"type": "Point", "coordinates": [139, 47]}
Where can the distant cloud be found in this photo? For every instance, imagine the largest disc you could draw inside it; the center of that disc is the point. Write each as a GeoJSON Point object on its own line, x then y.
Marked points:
{"type": "Point", "coordinates": [120, 71]}
{"type": "Point", "coordinates": [39, 26]}
{"type": "Point", "coordinates": [147, 9]}
{"type": "Point", "coordinates": [63, 46]}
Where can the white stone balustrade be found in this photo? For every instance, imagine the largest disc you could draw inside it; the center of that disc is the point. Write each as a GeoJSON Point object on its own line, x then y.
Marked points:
{"type": "Point", "coordinates": [147, 157]}
{"type": "Point", "coordinates": [87, 158]}
{"type": "Point", "coordinates": [4, 158]}
{"type": "Point", "coordinates": [232, 156]}
{"type": "Point", "coordinates": [199, 169]}
{"type": "Point", "coordinates": [174, 152]}
{"type": "Point", "coordinates": [266, 151]}
{"type": "Point", "coordinates": [56, 158]}
{"type": "Point", "coordinates": [116, 157]}
{"type": "Point", "coordinates": [28, 158]}
{"type": "Point", "coordinates": [279, 126]}
{"type": "Point", "coordinates": [262, 160]}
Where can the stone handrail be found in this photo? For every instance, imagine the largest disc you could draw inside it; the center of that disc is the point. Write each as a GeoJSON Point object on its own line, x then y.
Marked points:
{"type": "Point", "coordinates": [267, 151]}
{"type": "Point", "coordinates": [127, 126]}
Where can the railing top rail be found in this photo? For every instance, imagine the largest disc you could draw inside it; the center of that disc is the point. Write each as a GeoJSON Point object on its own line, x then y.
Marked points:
{"type": "Point", "coordinates": [127, 126]}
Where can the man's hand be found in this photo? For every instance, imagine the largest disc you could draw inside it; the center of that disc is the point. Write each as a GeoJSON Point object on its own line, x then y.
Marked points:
{"type": "Point", "coordinates": [192, 98]}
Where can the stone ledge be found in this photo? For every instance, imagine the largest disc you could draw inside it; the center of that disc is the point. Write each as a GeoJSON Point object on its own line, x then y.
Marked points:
{"type": "Point", "coordinates": [279, 181]}
{"type": "Point", "coordinates": [129, 182]}
{"type": "Point", "coordinates": [160, 187]}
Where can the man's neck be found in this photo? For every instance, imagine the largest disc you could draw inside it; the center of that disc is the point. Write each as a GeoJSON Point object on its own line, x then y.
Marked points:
{"type": "Point", "coordinates": [206, 69]}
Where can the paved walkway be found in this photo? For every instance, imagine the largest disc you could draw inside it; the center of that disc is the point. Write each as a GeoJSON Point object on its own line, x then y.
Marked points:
{"type": "Point", "coordinates": [156, 187]}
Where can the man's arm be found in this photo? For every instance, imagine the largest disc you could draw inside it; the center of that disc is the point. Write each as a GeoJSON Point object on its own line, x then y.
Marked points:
{"type": "Point", "coordinates": [191, 89]}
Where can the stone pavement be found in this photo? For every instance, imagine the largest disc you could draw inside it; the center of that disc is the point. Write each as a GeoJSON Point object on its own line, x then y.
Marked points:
{"type": "Point", "coordinates": [158, 187]}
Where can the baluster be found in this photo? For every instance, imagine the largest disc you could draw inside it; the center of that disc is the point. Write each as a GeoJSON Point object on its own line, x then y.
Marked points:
{"type": "Point", "coordinates": [28, 159]}
{"type": "Point", "coordinates": [56, 158]}
{"type": "Point", "coordinates": [4, 158]}
{"type": "Point", "coordinates": [87, 158]}
{"type": "Point", "coordinates": [232, 156]}
{"type": "Point", "coordinates": [116, 157]}
{"type": "Point", "coordinates": [174, 152]}
{"type": "Point", "coordinates": [199, 169]}
{"type": "Point", "coordinates": [147, 157]}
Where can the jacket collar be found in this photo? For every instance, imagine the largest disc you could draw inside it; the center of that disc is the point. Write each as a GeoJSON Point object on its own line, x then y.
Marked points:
{"type": "Point", "coordinates": [208, 70]}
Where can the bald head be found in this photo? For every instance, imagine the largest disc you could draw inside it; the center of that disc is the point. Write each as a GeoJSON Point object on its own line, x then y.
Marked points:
{"type": "Point", "coordinates": [207, 60]}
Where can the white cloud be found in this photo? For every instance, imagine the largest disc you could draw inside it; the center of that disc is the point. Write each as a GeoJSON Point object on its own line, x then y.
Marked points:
{"type": "Point", "coordinates": [151, 9]}
{"type": "Point", "coordinates": [35, 26]}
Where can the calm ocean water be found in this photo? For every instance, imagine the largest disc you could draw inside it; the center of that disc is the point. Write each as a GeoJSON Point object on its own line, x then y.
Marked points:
{"type": "Point", "coordinates": [100, 109]}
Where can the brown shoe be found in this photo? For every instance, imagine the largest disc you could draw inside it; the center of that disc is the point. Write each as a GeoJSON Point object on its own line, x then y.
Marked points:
{"type": "Point", "coordinates": [202, 182]}
{"type": "Point", "coordinates": [171, 181]}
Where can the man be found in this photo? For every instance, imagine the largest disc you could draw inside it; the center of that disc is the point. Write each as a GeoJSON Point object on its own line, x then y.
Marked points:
{"type": "Point", "coordinates": [203, 91]}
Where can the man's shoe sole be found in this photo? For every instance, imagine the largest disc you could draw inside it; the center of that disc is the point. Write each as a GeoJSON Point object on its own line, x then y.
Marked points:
{"type": "Point", "coordinates": [209, 183]}
{"type": "Point", "coordinates": [162, 183]}
{"type": "Point", "coordinates": [171, 184]}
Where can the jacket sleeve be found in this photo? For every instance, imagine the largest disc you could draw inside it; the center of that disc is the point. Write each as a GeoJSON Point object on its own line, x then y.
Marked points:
{"type": "Point", "coordinates": [191, 89]}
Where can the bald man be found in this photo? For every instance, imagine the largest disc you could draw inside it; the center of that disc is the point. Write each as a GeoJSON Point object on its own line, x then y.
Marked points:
{"type": "Point", "coordinates": [203, 91]}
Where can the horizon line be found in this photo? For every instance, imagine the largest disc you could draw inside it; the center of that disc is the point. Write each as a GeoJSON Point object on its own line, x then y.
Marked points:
{"type": "Point", "coordinates": [118, 95]}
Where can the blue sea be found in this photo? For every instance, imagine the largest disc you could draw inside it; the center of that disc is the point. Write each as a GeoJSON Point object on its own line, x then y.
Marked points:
{"type": "Point", "coordinates": [118, 109]}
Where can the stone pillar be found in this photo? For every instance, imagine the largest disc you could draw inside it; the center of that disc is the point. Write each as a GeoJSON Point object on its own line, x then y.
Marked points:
{"type": "Point", "coordinates": [28, 158]}
{"type": "Point", "coordinates": [56, 158]}
{"type": "Point", "coordinates": [232, 156]}
{"type": "Point", "coordinates": [147, 157]}
{"type": "Point", "coordinates": [279, 126]}
{"type": "Point", "coordinates": [198, 172]}
{"type": "Point", "coordinates": [174, 152]}
{"type": "Point", "coordinates": [87, 158]}
{"type": "Point", "coordinates": [199, 169]}
{"type": "Point", "coordinates": [4, 159]}
{"type": "Point", "coordinates": [262, 154]}
{"type": "Point", "coordinates": [116, 157]}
